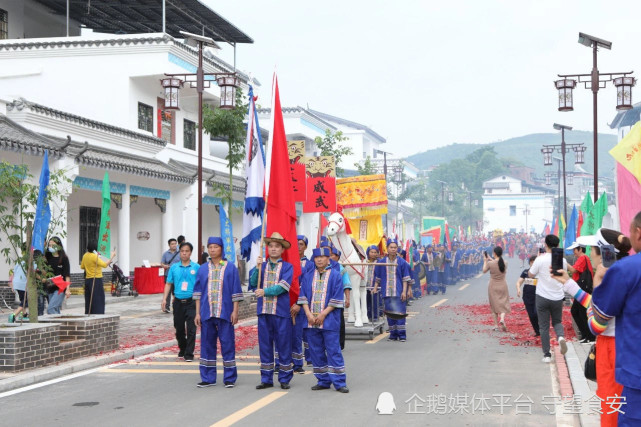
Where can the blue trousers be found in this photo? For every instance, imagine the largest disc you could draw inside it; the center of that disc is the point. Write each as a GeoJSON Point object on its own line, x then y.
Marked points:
{"type": "Point", "coordinates": [308, 356]}
{"type": "Point", "coordinates": [297, 339]}
{"type": "Point", "coordinates": [632, 408]}
{"type": "Point", "coordinates": [275, 334]}
{"type": "Point", "coordinates": [329, 366]}
{"type": "Point", "coordinates": [212, 330]}
{"type": "Point", "coordinates": [396, 327]}
{"type": "Point", "coordinates": [373, 305]}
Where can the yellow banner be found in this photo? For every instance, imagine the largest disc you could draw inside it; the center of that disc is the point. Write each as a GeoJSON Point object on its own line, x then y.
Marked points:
{"type": "Point", "coordinates": [362, 195]}
{"type": "Point", "coordinates": [628, 151]}
{"type": "Point", "coordinates": [367, 230]}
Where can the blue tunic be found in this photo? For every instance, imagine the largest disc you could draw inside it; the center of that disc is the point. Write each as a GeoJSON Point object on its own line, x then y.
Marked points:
{"type": "Point", "coordinates": [320, 291]}
{"type": "Point", "coordinates": [217, 289]}
{"type": "Point", "coordinates": [279, 274]}
{"type": "Point", "coordinates": [400, 272]}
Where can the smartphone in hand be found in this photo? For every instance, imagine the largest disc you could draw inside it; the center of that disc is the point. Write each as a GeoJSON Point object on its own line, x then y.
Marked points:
{"type": "Point", "coordinates": [608, 256]}
{"type": "Point", "coordinates": [557, 261]}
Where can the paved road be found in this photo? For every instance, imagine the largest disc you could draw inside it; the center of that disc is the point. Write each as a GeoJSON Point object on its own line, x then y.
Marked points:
{"type": "Point", "coordinates": [457, 371]}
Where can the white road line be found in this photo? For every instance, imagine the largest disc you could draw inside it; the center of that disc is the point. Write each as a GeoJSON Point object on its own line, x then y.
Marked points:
{"type": "Point", "coordinates": [46, 383]}
{"type": "Point", "coordinates": [436, 304]}
{"type": "Point", "coordinates": [464, 286]}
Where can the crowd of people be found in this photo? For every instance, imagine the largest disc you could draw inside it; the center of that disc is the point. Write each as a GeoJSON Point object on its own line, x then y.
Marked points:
{"type": "Point", "coordinates": [606, 301]}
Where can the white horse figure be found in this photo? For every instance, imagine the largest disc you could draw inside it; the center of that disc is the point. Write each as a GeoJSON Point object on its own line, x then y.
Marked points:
{"type": "Point", "coordinates": [337, 233]}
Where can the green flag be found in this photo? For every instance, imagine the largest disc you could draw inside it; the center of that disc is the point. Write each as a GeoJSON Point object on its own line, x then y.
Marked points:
{"type": "Point", "coordinates": [587, 204]}
{"type": "Point", "coordinates": [594, 219]}
{"type": "Point", "coordinates": [104, 235]}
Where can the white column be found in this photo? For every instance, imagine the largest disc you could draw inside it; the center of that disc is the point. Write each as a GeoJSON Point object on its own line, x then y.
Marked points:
{"type": "Point", "coordinates": [59, 207]}
{"type": "Point", "coordinates": [189, 200]}
{"type": "Point", "coordinates": [166, 227]}
{"type": "Point", "coordinates": [124, 233]}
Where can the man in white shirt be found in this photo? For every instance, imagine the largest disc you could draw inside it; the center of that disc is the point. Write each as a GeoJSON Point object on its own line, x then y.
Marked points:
{"type": "Point", "coordinates": [549, 298]}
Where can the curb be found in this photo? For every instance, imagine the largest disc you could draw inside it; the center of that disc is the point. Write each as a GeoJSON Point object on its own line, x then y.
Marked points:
{"type": "Point", "coordinates": [565, 385]}
{"type": "Point", "coordinates": [581, 386]}
{"type": "Point", "coordinates": [51, 372]}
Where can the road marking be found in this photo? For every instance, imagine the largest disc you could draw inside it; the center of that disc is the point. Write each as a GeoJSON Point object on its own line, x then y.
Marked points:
{"type": "Point", "coordinates": [378, 338]}
{"type": "Point", "coordinates": [250, 409]}
{"type": "Point", "coordinates": [196, 356]}
{"type": "Point", "coordinates": [134, 362]}
{"type": "Point", "coordinates": [170, 371]}
{"type": "Point", "coordinates": [46, 383]}
{"type": "Point", "coordinates": [464, 286]}
{"type": "Point", "coordinates": [436, 304]}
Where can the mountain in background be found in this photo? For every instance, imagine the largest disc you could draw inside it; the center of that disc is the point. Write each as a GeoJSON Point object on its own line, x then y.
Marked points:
{"type": "Point", "coordinates": [527, 150]}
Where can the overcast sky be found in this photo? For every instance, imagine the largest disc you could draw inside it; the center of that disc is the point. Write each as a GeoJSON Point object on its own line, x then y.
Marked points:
{"type": "Point", "coordinates": [426, 74]}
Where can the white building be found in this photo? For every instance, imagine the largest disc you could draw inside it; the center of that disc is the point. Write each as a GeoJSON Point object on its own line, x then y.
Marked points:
{"type": "Point", "coordinates": [95, 102]}
{"type": "Point", "coordinates": [510, 204]}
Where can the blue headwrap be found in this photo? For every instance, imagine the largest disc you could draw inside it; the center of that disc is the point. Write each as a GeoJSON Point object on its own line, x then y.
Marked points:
{"type": "Point", "coordinates": [303, 238]}
{"type": "Point", "coordinates": [336, 251]}
{"type": "Point", "coordinates": [369, 248]}
{"type": "Point", "coordinates": [390, 241]}
{"type": "Point", "coordinates": [324, 241]}
{"type": "Point", "coordinates": [217, 241]}
{"type": "Point", "coordinates": [320, 252]}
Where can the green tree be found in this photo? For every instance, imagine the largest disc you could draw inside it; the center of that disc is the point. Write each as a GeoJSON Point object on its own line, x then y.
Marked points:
{"type": "Point", "coordinates": [228, 124]}
{"type": "Point", "coordinates": [330, 145]}
{"type": "Point", "coordinates": [367, 168]}
{"type": "Point", "coordinates": [18, 200]}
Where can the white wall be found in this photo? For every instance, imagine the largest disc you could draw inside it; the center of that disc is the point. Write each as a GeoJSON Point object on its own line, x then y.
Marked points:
{"type": "Point", "coordinates": [496, 212]}
{"type": "Point", "coordinates": [146, 216]}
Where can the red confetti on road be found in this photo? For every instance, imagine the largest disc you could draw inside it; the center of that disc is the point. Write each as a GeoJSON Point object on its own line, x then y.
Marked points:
{"type": "Point", "coordinates": [519, 329]}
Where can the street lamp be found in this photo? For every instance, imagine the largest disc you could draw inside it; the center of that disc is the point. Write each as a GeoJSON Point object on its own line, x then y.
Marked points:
{"type": "Point", "coordinates": [562, 148]}
{"type": "Point", "coordinates": [197, 80]}
{"type": "Point", "coordinates": [398, 180]}
{"type": "Point", "coordinates": [593, 81]}
{"type": "Point", "coordinates": [443, 183]}
{"type": "Point", "coordinates": [384, 153]}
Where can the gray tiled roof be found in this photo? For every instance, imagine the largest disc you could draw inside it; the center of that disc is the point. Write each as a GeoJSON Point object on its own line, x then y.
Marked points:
{"type": "Point", "coordinates": [626, 118]}
{"type": "Point", "coordinates": [135, 165]}
{"type": "Point", "coordinates": [14, 137]}
{"type": "Point", "coordinates": [22, 103]}
{"type": "Point", "coordinates": [347, 123]}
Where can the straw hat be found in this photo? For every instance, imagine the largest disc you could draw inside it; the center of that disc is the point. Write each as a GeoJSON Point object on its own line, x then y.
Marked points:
{"type": "Point", "coordinates": [278, 238]}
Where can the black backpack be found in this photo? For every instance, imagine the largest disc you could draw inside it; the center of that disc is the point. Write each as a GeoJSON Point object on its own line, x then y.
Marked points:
{"type": "Point", "coordinates": [585, 280]}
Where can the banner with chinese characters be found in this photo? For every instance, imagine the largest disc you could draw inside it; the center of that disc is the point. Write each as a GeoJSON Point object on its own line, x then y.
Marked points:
{"type": "Point", "coordinates": [367, 230]}
{"type": "Point", "coordinates": [321, 184]}
{"type": "Point", "coordinates": [297, 169]}
{"type": "Point", "coordinates": [362, 195]}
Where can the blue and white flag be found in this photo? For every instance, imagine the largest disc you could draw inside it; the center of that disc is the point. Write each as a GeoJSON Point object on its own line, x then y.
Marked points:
{"type": "Point", "coordinates": [254, 197]}
{"type": "Point", "coordinates": [227, 235]}
{"type": "Point", "coordinates": [570, 232]}
{"type": "Point", "coordinates": [43, 211]}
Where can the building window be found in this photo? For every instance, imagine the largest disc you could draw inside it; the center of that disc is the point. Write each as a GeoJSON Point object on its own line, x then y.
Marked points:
{"type": "Point", "coordinates": [4, 24]}
{"type": "Point", "coordinates": [364, 154]}
{"type": "Point", "coordinates": [145, 117]}
{"type": "Point", "coordinates": [89, 227]}
{"type": "Point", "coordinates": [512, 210]}
{"type": "Point", "coordinates": [189, 134]}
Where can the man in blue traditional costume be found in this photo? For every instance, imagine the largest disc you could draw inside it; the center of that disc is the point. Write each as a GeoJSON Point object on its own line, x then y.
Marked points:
{"type": "Point", "coordinates": [217, 292]}
{"type": "Point", "coordinates": [393, 281]}
{"type": "Point", "coordinates": [373, 296]}
{"type": "Point", "coordinates": [321, 296]}
{"type": "Point", "coordinates": [430, 270]}
{"type": "Point", "coordinates": [300, 347]}
{"type": "Point", "coordinates": [274, 313]}
{"type": "Point", "coordinates": [334, 257]}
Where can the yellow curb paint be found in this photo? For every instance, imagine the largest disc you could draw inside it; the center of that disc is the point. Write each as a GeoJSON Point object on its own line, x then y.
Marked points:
{"type": "Point", "coordinates": [436, 304]}
{"type": "Point", "coordinates": [378, 338]}
{"type": "Point", "coordinates": [464, 286]}
{"type": "Point", "coordinates": [249, 409]}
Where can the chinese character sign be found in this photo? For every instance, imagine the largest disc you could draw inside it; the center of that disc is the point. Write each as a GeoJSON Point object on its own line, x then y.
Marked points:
{"type": "Point", "coordinates": [297, 169]}
{"type": "Point", "coordinates": [321, 184]}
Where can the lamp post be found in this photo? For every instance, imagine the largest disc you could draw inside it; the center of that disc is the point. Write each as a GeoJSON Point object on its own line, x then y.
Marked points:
{"type": "Point", "coordinates": [384, 153]}
{"type": "Point", "coordinates": [563, 148]}
{"type": "Point", "coordinates": [469, 201]}
{"type": "Point", "coordinates": [398, 180]}
{"type": "Point", "coordinates": [526, 211]}
{"type": "Point", "coordinates": [593, 81]}
{"type": "Point", "coordinates": [443, 183]}
{"type": "Point", "coordinates": [228, 83]}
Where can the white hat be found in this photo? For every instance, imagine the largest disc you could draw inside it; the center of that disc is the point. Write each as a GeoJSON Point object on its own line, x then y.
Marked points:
{"type": "Point", "coordinates": [576, 245]}
{"type": "Point", "coordinates": [594, 240]}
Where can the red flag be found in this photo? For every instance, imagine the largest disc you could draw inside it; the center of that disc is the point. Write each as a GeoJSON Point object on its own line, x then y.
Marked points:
{"type": "Point", "coordinates": [580, 224]}
{"type": "Point", "coordinates": [281, 208]}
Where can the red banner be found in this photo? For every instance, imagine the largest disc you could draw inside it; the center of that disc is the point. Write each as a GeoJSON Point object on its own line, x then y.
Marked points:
{"type": "Point", "coordinates": [298, 181]}
{"type": "Point", "coordinates": [321, 195]}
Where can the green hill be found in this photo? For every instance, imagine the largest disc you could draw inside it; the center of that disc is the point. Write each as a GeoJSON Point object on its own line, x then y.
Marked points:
{"type": "Point", "coordinates": [527, 150]}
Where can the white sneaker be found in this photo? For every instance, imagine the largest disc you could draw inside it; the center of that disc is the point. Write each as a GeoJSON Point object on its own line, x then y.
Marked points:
{"type": "Point", "coordinates": [546, 359]}
{"type": "Point", "coordinates": [563, 345]}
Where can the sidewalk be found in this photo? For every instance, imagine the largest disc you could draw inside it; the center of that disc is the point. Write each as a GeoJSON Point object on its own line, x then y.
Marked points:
{"type": "Point", "coordinates": [583, 388]}
{"type": "Point", "coordinates": [143, 329]}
